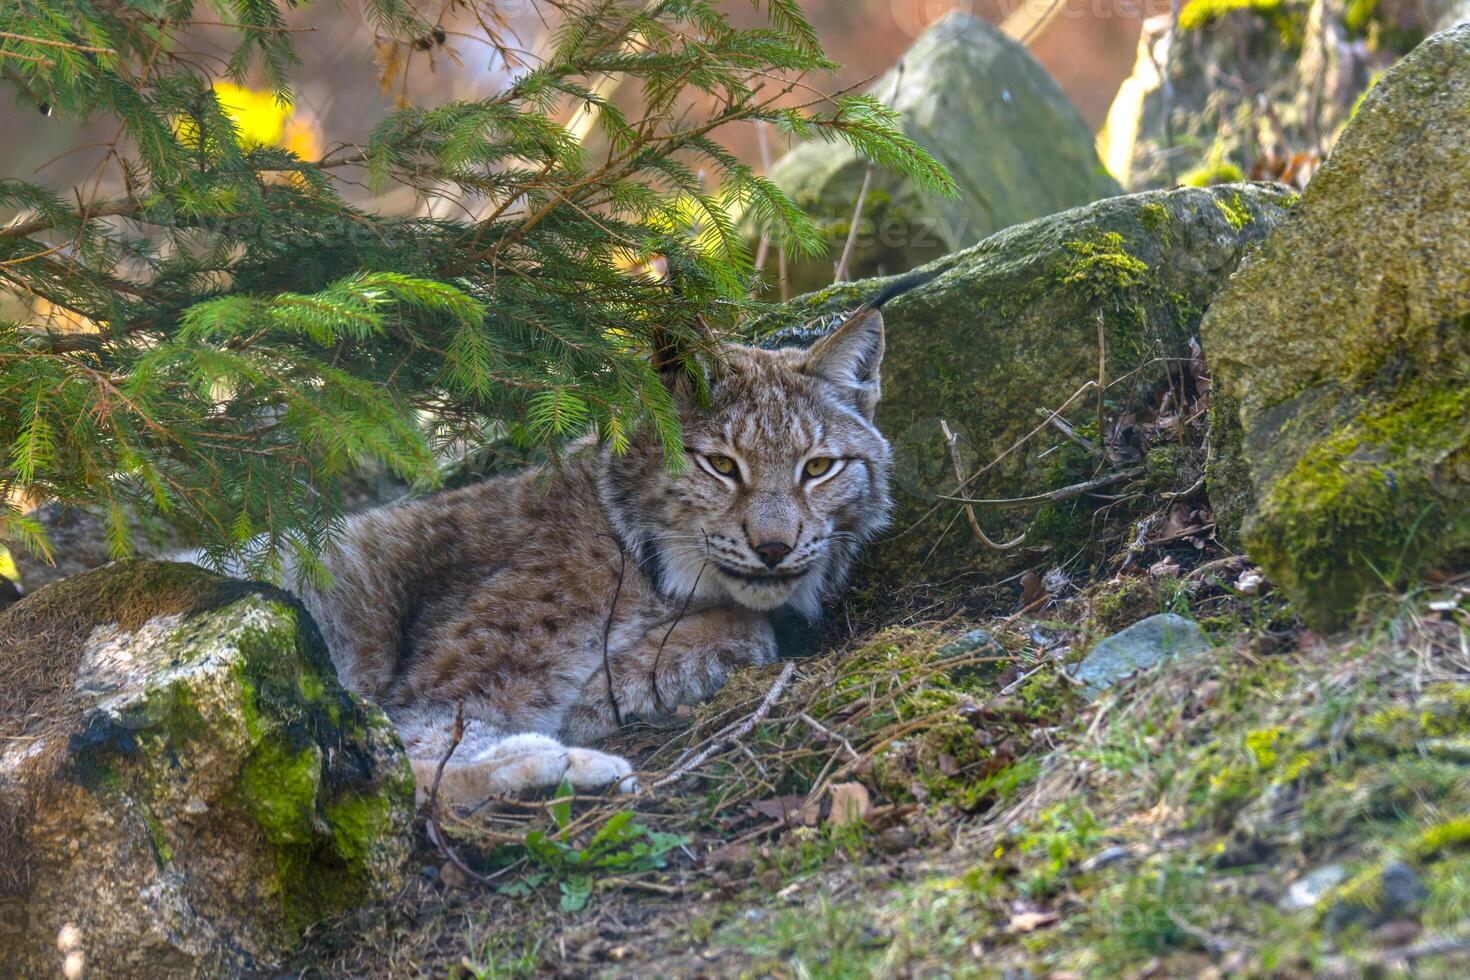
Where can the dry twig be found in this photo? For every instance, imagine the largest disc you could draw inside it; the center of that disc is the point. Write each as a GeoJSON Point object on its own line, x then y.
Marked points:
{"type": "Point", "coordinates": [1053, 496]}
{"type": "Point", "coordinates": [741, 730]}
{"type": "Point", "coordinates": [952, 443]}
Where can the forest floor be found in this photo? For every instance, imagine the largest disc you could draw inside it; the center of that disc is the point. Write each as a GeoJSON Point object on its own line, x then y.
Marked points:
{"type": "Point", "coordinates": [936, 794]}
{"type": "Point", "coordinates": [940, 798]}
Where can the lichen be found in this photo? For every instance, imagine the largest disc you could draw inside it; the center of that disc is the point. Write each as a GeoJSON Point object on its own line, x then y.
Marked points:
{"type": "Point", "coordinates": [1102, 263]}
{"type": "Point", "coordinates": [279, 786]}
{"type": "Point", "coordinates": [1234, 210]}
{"type": "Point", "coordinates": [1261, 744]}
{"type": "Point", "coordinates": [1441, 837]}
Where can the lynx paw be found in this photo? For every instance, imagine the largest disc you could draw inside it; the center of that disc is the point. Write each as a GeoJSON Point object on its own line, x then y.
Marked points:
{"type": "Point", "coordinates": [523, 762]}
{"type": "Point", "coordinates": [590, 769]}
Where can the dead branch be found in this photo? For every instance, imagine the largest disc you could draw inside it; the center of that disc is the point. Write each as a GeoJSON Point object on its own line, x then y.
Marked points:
{"type": "Point", "coordinates": [431, 824]}
{"type": "Point", "coordinates": [1054, 496]}
{"type": "Point", "coordinates": [1102, 383]}
{"type": "Point", "coordinates": [951, 442]}
{"type": "Point", "coordinates": [740, 731]}
{"type": "Point", "coordinates": [1066, 429]}
{"type": "Point", "coordinates": [826, 732]}
{"type": "Point", "coordinates": [857, 214]}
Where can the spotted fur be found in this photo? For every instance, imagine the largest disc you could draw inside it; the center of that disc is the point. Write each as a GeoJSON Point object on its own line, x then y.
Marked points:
{"type": "Point", "coordinates": [553, 605]}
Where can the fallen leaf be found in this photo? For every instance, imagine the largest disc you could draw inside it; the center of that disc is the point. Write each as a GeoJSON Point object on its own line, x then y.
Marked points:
{"type": "Point", "coordinates": [1165, 567]}
{"type": "Point", "coordinates": [1030, 921]}
{"type": "Point", "coordinates": [730, 856]}
{"type": "Point", "coordinates": [1032, 590]}
{"type": "Point", "coordinates": [850, 804]}
{"type": "Point", "coordinates": [780, 807]}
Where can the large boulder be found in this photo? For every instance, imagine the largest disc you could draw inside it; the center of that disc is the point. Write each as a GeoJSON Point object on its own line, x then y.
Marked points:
{"type": "Point", "coordinates": [184, 786]}
{"type": "Point", "coordinates": [1341, 355]}
{"type": "Point", "coordinates": [1008, 328]}
{"type": "Point", "coordinates": [985, 108]}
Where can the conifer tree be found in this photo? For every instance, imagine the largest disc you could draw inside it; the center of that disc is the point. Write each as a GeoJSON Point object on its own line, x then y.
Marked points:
{"type": "Point", "coordinates": [244, 338]}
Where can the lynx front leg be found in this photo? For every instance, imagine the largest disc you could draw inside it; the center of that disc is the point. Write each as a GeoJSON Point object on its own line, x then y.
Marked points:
{"type": "Point", "coordinates": [667, 668]}
{"type": "Point", "coordinates": [490, 763]}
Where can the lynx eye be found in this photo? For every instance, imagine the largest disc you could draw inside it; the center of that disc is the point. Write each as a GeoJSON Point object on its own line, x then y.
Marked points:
{"type": "Point", "coordinates": [723, 465]}
{"type": "Point", "coordinates": [818, 466]}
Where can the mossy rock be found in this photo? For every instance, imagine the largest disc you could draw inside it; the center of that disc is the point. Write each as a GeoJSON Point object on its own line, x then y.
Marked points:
{"type": "Point", "coordinates": [1341, 355]}
{"type": "Point", "coordinates": [182, 778]}
{"type": "Point", "coordinates": [1009, 327]}
{"type": "Point", "coordinates": [989, 112]}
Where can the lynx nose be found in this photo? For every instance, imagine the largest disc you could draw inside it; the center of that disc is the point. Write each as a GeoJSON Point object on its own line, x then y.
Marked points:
{"type": "Point", "coordinates": [772, 552]}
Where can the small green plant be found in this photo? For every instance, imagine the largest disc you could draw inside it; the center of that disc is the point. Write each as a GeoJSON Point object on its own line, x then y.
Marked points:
{"type": "Point", "coordinates": [620, 847]}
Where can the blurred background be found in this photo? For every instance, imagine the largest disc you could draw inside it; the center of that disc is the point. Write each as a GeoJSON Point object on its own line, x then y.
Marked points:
{"type": "Point", "coordinates": [1034, 105]}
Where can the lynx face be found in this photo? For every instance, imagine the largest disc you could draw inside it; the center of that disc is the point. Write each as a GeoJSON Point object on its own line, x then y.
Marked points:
{"type": "Point", "coordinates": [786, 476]}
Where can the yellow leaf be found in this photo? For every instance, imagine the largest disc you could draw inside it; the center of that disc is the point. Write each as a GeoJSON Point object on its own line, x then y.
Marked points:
{"type": "Point", "coordinates": [389, 58]}
{"type": "Point", "coordinates": [260, 119]}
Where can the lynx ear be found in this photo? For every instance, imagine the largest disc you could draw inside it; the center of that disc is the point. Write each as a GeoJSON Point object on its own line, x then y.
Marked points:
{"type": "Point", "coordinates": [849, 356]}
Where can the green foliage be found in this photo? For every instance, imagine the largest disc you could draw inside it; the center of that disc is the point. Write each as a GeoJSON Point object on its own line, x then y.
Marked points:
{"type": "Point", "coordinates": [238, 338]}
{"type": "Point", "coordinates": [1212, 172]}
{"type": "Point", "coordinates": [619, 847]}
{"type": "Point", "coordinates": [1287, 17]}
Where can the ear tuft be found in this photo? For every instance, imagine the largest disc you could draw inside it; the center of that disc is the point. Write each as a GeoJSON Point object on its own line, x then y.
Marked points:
{"type": "Point", "coordinates": [850, 356]}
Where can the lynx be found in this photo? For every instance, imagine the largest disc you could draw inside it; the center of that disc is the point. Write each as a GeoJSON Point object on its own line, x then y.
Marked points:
{"type": "Point", "coordinates": [548, 607]}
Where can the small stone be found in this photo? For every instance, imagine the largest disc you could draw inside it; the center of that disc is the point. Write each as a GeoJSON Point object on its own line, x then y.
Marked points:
{"type": "Point", "coordinates": [1309, 889]}
{"type": "Point", "coordinates": [976, 639]}
{"type": "Point", "coordinates": [1402, 889]}
{"type": "Point", "coordinates": [1399, 932]}
{"type": "Point", "coordinates": [1104, 858]}
{"type": "Point", "coordinates": [1397, 894]}
{"type": "Point", "coordinates": [1141, 646]}
{"type": "Point", "coordinates": [1165, 567]}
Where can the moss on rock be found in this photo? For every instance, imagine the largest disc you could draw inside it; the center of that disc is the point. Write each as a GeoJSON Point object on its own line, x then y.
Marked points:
{"type": "Point", "coordinates": [1010, 326]}
{"type": "Point", "coordinates": [1341, 356]}
{"type": "Point", "coordinates": [201, 759]}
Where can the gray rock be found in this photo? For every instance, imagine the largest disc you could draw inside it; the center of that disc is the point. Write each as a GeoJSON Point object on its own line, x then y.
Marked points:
{"type": "Point", "coordinates": [1010, 326]}
{"type": "Point", "coordinates": [1143, 645]}
{"type": "Point", "coordinates": [989, 112]}
{"type": "Point", "coordinates": [1394, 893]}
{"type": "Point", "coordinates": [1106, 858]}
{"type": "Point", "coordinates": [1341, 354]}
{"type": "Point", "coordinates": [976, 639]}
{"type": "Point", "coordinates": [183, 782]}
{"type": "Point", "coordinates": [1312, 887]}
